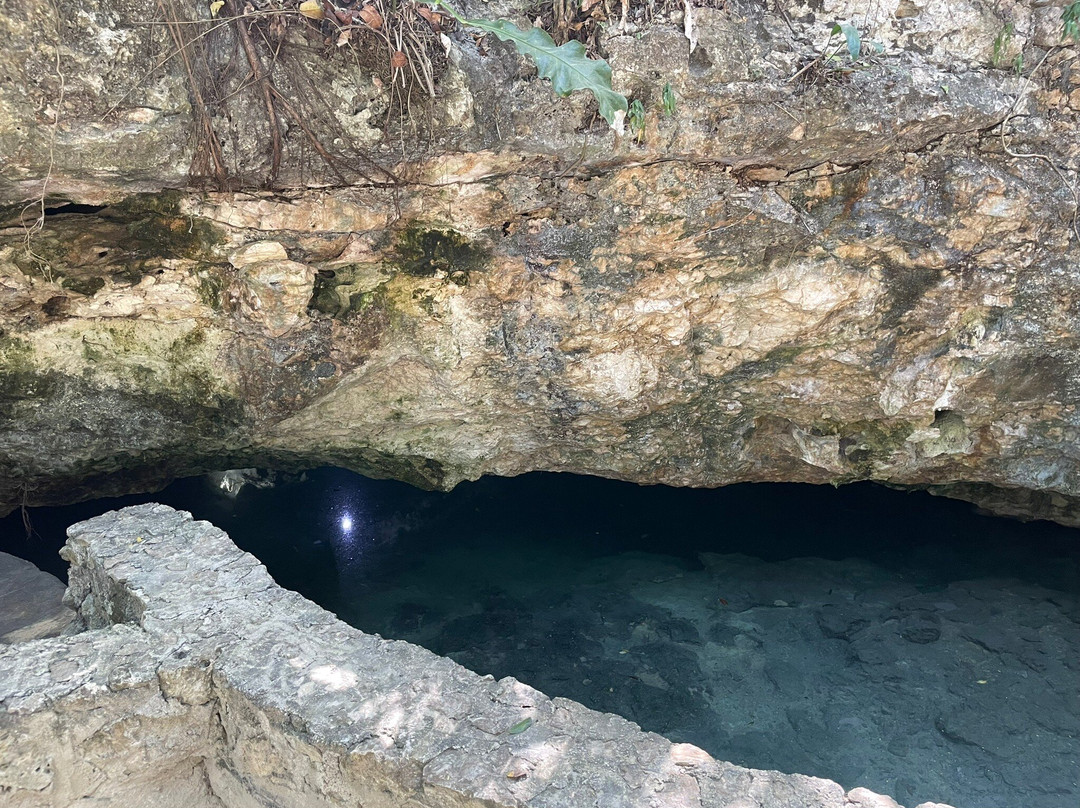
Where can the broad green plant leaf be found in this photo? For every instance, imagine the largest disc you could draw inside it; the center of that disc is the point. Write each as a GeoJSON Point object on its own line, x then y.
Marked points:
{"type": "Point", "coordinates": [566, 66]}
{"type": "Point", "coordinates": [851, 34]}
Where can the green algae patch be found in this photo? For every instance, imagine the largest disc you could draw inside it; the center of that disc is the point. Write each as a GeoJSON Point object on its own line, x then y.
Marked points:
{"type": "Point", "coordinates": [324, 296]}
{"type": "Point", "coordinates": [866, 444]}
{"type": "Point", "coordinates": [125, 241]}
{"type": "Point", "coordinates": [20, 376]}
{"type": "Point", "coordinates": [347, 289]}
{"type": "Point", "coordinates": [185, 348]}
{"type": "Point", "coordinates": [170, 365]}
{"type": "Point", "coordinates": [84, 286]}
{"type": "Point", "coordinates": [160, 235]}
{"type": "Point", "coordinates": [426, 252]}
{"type": "Point", "coordinates": [768, 365]}
{"type": "Point", "coordinates": [405, 296]}
{"type": "Point", "coordinates": [212, 281]}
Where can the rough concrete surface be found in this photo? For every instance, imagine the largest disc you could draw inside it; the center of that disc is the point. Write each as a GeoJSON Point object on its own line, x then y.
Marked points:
{"type": "Point", "coordinates": [812, 270]}
{"type": "Point", "coordinates": [199, 682]}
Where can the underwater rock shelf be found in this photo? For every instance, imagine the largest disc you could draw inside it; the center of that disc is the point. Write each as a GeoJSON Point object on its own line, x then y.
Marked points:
{"type": "Point", "coordinates": [197, 681]}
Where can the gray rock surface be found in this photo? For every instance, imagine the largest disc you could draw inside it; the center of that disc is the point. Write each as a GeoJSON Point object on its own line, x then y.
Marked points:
{"type": "Point", "coordinates": [31, 604]}
{"type": "Point", "coordinates": [198, 682]}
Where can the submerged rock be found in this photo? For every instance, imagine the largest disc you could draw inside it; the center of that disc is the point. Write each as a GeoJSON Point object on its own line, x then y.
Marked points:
{"type": "Point", "coordinates": [801, 272]}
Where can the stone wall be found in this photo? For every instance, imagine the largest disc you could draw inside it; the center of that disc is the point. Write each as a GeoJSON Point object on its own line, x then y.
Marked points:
{"type": "Point", "coordinates": [197, 682]}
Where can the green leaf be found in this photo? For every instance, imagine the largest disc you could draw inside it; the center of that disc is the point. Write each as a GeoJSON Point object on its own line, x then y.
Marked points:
{"type": "Point", "coordinates": [520, 726]}
{"type": "Point", "coordinates": [636, 117]}
{"type": "Point", "coordinates": [851, 33]}
{"type": "Point", "coordinates": [1070, 21]}
{"type": "Point", "coordinates": [669, 100]}
{"type": "Point", "coordinates": [565, 65]}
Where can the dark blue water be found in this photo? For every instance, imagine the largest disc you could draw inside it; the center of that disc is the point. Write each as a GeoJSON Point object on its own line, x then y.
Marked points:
{"type": "Point", "coordinates": [891, 640]}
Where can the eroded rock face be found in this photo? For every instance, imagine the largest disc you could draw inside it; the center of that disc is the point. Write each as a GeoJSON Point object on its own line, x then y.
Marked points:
{"type": "Point", "coordinates": [199, 682]}
{"type": "Point", "coordinates": [846, 275]}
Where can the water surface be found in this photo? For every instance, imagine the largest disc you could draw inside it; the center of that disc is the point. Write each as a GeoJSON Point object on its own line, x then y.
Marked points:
{"type": "Point", "coordinates": [882, 639]}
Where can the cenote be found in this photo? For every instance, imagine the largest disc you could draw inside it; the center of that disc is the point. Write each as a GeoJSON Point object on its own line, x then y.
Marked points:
{"type": "Point", "coordinates": [878, 638]}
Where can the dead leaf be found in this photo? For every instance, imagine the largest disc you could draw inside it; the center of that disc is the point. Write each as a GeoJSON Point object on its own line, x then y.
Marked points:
{"type": "Point", "coordinates": [312, 9]}
{"type": "Point", "coordinates": [371, 16]}
{"type": "Point", "coordinates": [215, 7]}
{"type": "Point", "coordinates": [518, 768]}
{"type": "Point", "coordinates": [398, 60]}
{"type": "Point", "coordinates": [689, 29]}
{"type": "Point", "coordinates": [434, 18]}
{"type": "Point", "coordinates": [798, 133]}
{"type": "Point", "coordinates": [344, 37]}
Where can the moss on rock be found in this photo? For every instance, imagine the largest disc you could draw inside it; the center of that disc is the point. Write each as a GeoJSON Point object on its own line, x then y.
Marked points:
{"type": "Point", "coordinates": [425, 252]}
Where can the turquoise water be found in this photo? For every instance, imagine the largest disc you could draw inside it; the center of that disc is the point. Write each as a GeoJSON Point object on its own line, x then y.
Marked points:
{"type": "Point", "coordinates": [882, 639]}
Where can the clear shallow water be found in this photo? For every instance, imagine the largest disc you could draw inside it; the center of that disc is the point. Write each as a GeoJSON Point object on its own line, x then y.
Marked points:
{"type": "Point", "coordinates": [890, 640]}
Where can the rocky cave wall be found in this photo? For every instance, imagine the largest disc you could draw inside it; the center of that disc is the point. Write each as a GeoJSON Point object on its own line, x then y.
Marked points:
{"type": "Point", "coordinates": [813, 270]}
{"type": "Point", "coordinates": [196, 682]}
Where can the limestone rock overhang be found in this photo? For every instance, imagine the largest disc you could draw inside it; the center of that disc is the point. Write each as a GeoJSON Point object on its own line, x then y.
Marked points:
{"type": "Point", "coordinates": [808, 270]}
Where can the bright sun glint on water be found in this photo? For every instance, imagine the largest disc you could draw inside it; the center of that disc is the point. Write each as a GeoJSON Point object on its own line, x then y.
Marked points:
{"type": "Point", "coordinates": [346, 523]}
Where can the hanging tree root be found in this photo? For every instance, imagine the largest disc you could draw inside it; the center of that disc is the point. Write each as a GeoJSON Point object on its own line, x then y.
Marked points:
{"type": "Point", "coordinates": [410, 31]}
{"type": "Point", "coordinates": [266, 87]}
{"type": "Point", "coordinates": [1074, 219]}
{"type": "Point", "coordinates": [208, 139]}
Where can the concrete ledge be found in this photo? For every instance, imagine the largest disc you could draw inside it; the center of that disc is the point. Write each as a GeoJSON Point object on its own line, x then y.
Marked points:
{"type": "Point", "coordinates": [199, 682]}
